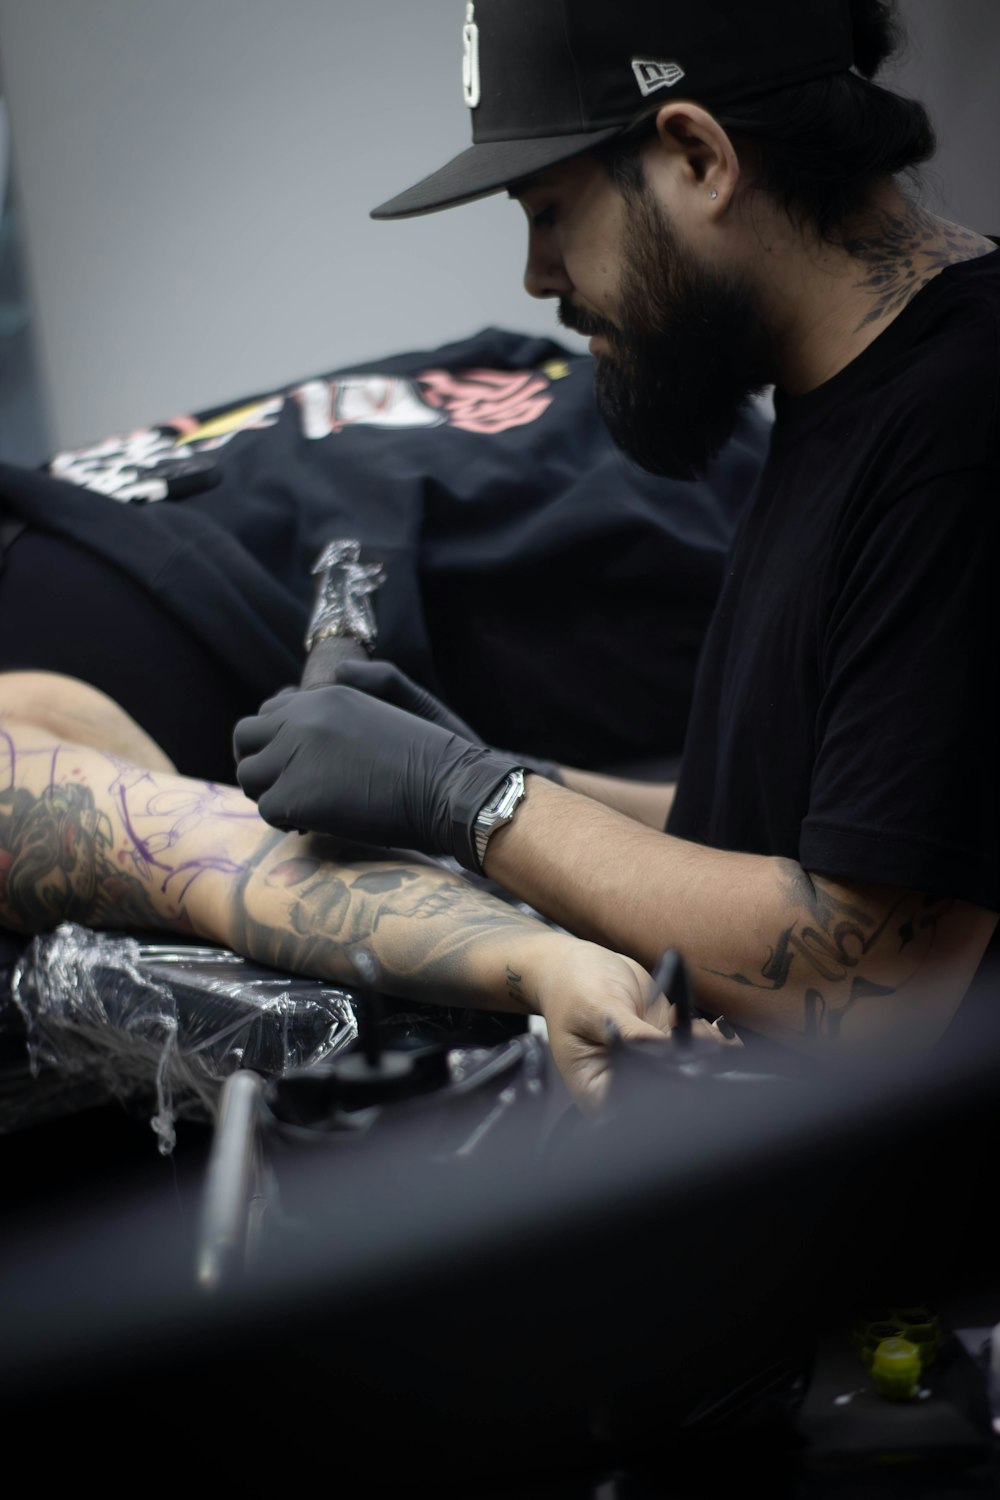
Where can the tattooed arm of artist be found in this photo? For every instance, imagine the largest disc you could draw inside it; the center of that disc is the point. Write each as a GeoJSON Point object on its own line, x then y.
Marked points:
{"type": "Point", "coordinates": [816, 962]}
{"type": "Point", "coordinates": [97, 828]}
{"type": "Point", "coordinates": [866, 962]}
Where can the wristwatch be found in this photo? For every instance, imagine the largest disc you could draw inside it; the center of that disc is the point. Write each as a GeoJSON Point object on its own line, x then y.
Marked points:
{"type": "Point", "coordinates": [497, 811]}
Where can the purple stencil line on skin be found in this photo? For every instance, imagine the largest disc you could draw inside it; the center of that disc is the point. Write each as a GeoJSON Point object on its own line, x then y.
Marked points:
{"type": "Point", "coordinates": [141, 856]}
{"type": "Point", "coordinates": [208, 803]}
{"type": "Point", "coordinates": [11, 752]}
{"type": "Point", "coordinates": [190, 812]}
{"type": "Point", "coordinates": [116, 761]}
{"type": "Point", "coordinates": [28, 752]}
{"type": "Point", "coordinates": [194, 810]}
{"type": "Point", "coordinates": [200, 866]}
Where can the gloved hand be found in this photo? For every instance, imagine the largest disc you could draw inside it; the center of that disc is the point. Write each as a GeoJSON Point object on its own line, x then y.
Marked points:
{"type": "Point", "coordinates": [381, 679]}
{"type": "Point", "coordinates": [333, 760]}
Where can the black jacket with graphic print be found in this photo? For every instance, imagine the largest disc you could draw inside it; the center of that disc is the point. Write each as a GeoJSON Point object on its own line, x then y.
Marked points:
{"type": "Point", "coordinates": [550, 592]}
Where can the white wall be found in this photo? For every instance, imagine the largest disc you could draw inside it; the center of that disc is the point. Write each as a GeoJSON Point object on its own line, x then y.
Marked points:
{"type": "Point", "coordinates": [953, 65]}
{"type": "Point", "coordinates": [195, 178]}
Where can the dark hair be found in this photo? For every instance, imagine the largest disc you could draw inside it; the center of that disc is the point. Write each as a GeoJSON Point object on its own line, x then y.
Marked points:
{"type": "Point", "coordinates": [822, 145]}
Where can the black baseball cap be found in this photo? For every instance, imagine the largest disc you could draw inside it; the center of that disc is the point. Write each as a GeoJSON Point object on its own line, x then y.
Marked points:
{"type": "Point", "coordinates": [548, 79]}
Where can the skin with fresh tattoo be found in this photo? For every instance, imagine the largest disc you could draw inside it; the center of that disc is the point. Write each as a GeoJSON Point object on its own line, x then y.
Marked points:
{"type": "Point", "coordinates": [88, 836]}
{"type": "Point", "coordinates": [124, 859]}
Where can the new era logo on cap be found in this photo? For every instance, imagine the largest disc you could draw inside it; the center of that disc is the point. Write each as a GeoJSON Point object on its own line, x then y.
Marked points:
{"type": "Point", "coordinates": [651, 76]}
{"type": "Point", "coordinates": [470, 59]}
{"type": "Point", "coordinates": [546, 80]}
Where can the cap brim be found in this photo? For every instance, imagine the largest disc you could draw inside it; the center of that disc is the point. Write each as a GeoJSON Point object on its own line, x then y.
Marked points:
{"type": "Point", "coordinates": [488, 168]}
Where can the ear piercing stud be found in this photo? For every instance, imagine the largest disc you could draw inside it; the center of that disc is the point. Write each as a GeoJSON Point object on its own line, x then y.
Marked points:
{"type": "Point", "coordinates": [713, 194]}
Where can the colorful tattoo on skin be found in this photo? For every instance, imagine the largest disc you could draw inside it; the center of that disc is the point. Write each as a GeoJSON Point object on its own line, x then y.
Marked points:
{"type": "Point", "coordinates": [58, 860]}
{"type": "Point", "coordinates": [57, 864]}
{"type": "Point", "coordinates": [832, 942]}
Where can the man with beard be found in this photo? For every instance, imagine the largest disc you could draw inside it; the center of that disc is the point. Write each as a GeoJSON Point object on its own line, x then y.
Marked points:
{"type": "Point", "coordinates": [713, 193]}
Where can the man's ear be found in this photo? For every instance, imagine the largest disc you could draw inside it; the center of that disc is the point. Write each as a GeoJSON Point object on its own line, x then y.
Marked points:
{"type": "Point", "coordinates": [694, 155]}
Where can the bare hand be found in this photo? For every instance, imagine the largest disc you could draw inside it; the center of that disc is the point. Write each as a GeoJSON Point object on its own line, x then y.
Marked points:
{"type": "Point", "coordinates": [583, 989]}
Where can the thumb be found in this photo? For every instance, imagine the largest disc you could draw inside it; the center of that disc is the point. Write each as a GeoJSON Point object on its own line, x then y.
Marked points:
{"type": "Point", "coordinates": [380, 679]}
{"type": "Point", "coordinates": [375, 677]}
{"type": "Point", "coordinates": [634, 1029]}
{"type": "Point", "coordinates": [586, 1068]}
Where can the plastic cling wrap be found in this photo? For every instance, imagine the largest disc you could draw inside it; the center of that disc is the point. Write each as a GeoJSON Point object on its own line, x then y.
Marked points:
{"type": "Point", "coordinates": [343, 598]}
{"type": "Point", "coordinates": [112, 1017]}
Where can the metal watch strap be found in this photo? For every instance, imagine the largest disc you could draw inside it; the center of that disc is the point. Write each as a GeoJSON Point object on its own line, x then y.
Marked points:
{"type": "Point", "coordinates": [497, 811]}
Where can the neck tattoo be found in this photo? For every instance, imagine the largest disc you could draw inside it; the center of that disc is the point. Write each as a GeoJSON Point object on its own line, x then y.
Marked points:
{"type": "Point", "coordinates": [902, 252]}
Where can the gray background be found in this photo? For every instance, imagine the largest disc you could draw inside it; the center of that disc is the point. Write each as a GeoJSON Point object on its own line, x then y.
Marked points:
{"type": "Point", "coordinates": [193, 179]}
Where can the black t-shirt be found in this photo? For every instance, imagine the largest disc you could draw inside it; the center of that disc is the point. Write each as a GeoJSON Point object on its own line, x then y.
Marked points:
{"type": "Point", "coordinates": [845, 711]}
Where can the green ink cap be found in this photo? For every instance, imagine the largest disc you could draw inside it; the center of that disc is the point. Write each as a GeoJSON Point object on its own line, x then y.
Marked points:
{"type": "Point", "coordinates": [896, 1369]}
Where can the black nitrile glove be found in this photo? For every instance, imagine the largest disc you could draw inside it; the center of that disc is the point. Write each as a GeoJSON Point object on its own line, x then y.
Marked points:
{"type": "Point", "coordinates": [380, 679]}
{"type": "Point", "coordinates": [333, 760]}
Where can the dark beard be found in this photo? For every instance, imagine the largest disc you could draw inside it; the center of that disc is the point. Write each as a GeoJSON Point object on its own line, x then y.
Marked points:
{"type": "Point", "coordinates": [688, 358]}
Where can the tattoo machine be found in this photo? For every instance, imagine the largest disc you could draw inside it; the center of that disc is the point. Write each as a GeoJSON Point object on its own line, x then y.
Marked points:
{"type": "Point", "coordinates": [343, 620]}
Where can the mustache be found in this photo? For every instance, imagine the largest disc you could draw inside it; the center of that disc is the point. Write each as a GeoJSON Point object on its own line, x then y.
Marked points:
{"type": "Point", "coordinates": [586, 323]}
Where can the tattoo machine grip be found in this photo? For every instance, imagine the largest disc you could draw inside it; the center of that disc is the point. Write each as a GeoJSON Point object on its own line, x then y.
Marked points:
{"type": "Point", "coordinates": [342, 626]}
{"type": "Point", "coordinates": [326, 657]}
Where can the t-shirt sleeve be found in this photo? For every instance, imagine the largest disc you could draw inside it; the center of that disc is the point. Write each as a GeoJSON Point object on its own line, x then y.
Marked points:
{"type": "Point", "coordinates": [905, 783]}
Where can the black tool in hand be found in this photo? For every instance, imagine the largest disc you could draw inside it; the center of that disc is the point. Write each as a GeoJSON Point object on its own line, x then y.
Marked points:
{"type": "Point", "coordinates": [670, 978]}
{"type": "Point", "coordinates": [334, 760]}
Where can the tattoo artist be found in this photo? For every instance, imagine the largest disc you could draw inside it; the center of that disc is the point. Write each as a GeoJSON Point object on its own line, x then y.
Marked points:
{"type": "Point", "coordinates": [714, 193]}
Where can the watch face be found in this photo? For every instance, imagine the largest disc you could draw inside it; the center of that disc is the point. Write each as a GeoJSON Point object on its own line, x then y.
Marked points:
{"type": "Point", "coordinates": [500, 808]}
{"type": "Point", "coordinates": [504, 799]}
{"type": "Point", "coordinates": [498, 811]}
{"type": "Point", "coordinates": [493, 808]}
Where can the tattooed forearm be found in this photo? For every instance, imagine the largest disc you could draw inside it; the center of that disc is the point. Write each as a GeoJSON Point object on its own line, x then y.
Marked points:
{"type": "Point", "coordinates": [111, 845]}
{"type": "Point", "coordinates": [310, 905]}
{"type": "Point", "coordinates": [57, 864]}
{"type": "Point", "coordinates": [89, 838]}
{"type": "Point", "coordinates": [903, 251]}
{"type": "Point", "coordinates": [841, 950]}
